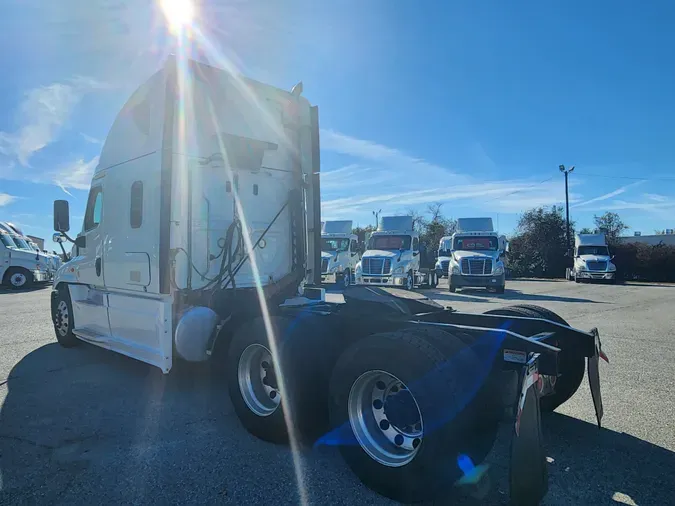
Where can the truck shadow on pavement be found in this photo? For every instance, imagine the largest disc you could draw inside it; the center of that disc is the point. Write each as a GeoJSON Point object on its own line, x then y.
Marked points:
{"type": "Point", "coordinates": [601, 466]}
{"type": "Point", "coordinates": [82, 424]}
{"type": "Point", "coordinates": [517, 295]}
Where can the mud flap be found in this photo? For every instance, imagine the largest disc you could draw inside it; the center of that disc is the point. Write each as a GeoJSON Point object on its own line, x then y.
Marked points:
{"type": "Point", "coordinates": [594, 376]}
{"type": "Point", "coordinates": [528, 474]}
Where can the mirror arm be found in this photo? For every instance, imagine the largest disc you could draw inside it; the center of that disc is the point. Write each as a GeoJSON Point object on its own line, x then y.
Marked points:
{"type": "Point", "coordinates": [67, 237]}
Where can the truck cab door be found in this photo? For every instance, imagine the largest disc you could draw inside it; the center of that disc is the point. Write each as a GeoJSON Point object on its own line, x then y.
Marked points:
{"type": "Point", "coordinates": [90, 301]}
{"type": "Point", "coordinates": [416, 253]}
{"type": "Point", "coordinates": [354, 256]}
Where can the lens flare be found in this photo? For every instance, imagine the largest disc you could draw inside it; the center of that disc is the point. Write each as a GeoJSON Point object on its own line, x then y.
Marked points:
{"type": "Point", "coordinates": [178, 13]}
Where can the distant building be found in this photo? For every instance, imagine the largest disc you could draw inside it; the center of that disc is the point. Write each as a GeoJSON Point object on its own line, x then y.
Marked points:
{"type": "Point", "coordinates": [668, 239]}
{"type": "Point", "coordinates": [37, 240]}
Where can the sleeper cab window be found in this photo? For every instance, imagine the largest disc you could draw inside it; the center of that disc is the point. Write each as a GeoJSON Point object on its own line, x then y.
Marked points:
{"type": "Point", "coordinates": [136, 202]}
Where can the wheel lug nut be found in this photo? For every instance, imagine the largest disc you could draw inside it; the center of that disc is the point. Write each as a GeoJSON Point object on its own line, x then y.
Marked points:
{"type": "Point", "coordinates": [394, 389]}
{"type": "Point", "coordinates": [273, 394]}
{"type": "Point", "coordinates": [384, 424]}
{"type": "Point", "coordinates": [377, 404]}
{"type": "Point", "coordinates": [398, 440]}
{"type": "Point", "coordinates": [380, 385]}
{"type": "Point", "coordinates": [416, 442]}
{"type": "Point", "coordinates": [265, 365]}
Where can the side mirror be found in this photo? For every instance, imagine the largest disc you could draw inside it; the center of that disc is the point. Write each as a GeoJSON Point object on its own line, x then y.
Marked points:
{"type": "Point", "coordinates": [612, 257]}
{"type": "Point", "coordinates": [61, 216]}
{"type": "Point", "coordinates": [81, 241]}
{"type": "Point", "coordinates": [354, 253]}
{"type": "Point", "coordinates": [415, 253]}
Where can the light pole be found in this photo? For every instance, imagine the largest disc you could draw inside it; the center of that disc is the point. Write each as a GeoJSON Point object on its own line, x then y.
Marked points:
{"type": "Point", "coordinates": [377, 217]}
{"type": "Point", "coordinates": [567, 203]}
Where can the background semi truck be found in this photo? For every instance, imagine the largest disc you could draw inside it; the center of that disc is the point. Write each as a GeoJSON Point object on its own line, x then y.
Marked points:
{"type": "Point", "coordinates": [206, 245]}
{"type": "Point", "coordinates": [339, 252]}
{"type": "Point", "coordinates": [20, 265]}
{"type": "Point", "coordinates": [478, 254]}
{"type": "Point", "coordinates": [592, 259]}
{"type": "Point", "coordinates": [394, 256]}
{"type": "Point", "coordinates": [444, 256]}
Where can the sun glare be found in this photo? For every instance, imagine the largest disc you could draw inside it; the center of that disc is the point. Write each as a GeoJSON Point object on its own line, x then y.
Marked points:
{"type": "Point", "coordinates": [178, 13]}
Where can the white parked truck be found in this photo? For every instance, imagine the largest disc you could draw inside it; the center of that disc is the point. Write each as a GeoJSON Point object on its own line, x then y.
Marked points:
{"type": "Point", "coordinates": [50, 263]}
{"type": "Point", "coordinates": [444, 256]}
{"type": "Point", "coordinates": [202, 225]}
{"type": "Point", "coordinates": [592, 259]}
{"type": "Point", "coordinates": [478, 254]}
{"type": "Point", "coordinates": [339, 252]}
{"type": "Point", "coordinates": [395, 257]}
{"type": "Point", "coordinates": [20, 267]}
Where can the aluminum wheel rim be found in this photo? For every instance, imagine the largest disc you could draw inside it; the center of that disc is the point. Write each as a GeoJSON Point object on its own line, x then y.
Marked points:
{"type": "Point", "coordinates": [62, 318]}
{"type": "Point", "coordinates": [347, 279]}
{"type": "Point", "coordinates": [408, 282]}
{"type": "Point", "coordinates": [18, 279]}
{"type": "Point", "coordinates": [257, 381]}
{"type": "Point", "coordinates": [388, 428]}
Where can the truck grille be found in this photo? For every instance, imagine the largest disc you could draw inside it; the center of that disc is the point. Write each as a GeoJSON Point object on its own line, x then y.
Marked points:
{"type": "Point", "coordinates": [324, 265]}
{"type": "Point", "coordinates": [473, 266]}
{"type": "Point", "coordinates": [444, 266]}
{"type": "Point", "coordinates": [375, 265]}
{"type": "Point", "coordinates": [597, 266]}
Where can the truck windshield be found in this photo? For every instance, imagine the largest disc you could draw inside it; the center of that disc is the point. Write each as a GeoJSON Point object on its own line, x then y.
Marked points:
{"type": "Point", "coordinates": [390, 242]}
{"type": "Point", "coordinates": [476, 243]}
{"type": "Point", "coordinates": [7, 241]}
{"type": "Point", "coordinates": [21, 244]}
{"type": "Point", "coordinates": [334, 244]}
{"type": "Point", "coordinates": [444, 253]}
{"type": "Point", "coordinates": [593, 250]}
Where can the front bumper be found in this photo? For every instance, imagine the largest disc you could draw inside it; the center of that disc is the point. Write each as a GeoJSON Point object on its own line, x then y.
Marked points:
{"type": "Point", "coordinates": [383, 280]}
{"type": "Point", "coordinates": [595, 275]}
{"type": "Point", "coordinates": [329, 277]}
{"type": "Point", "coordinates": [458, 281]}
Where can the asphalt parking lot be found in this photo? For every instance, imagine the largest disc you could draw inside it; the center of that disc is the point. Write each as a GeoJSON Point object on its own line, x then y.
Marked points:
{"type": "Point", "coordinates": [84, 425]}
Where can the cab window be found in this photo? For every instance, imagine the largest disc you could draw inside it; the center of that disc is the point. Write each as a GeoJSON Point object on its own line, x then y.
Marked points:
{"type": "Point", "coordinates": [94, 212]}
{"type": "Point", "coordinates": [416, 244]}
{"type": "Point", "coordinates": [354, 246]}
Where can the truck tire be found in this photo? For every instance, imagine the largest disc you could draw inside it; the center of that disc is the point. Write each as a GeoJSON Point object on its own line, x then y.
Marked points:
{"type": "Point", "coordinates": [394, 433]}
{"type": "Point", "coordinates": [409, 282]}
{"type": "Point", "coordinates": [346, 279]}
{"type": "Point", "coordinates": [451, 288]}
{"type": "Point", "coordinates": [18, 278]}
{"type": "Point", "coordinates": [62, 317]}
{"type": "Point", "coordinates": [572, 365]}
{"type": "Point", "coordinates": [257, 393]}
{"type": "Point", "coordinates": [500, 289]}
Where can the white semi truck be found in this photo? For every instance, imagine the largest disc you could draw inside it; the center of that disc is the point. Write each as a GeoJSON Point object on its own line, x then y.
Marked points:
{"type": "Point", "coordinates": [339, 252]}
{"type": "Point", "coordinates": [444, 256]}
{"type": "Point", "coordinates": [201, 227]}
{"type": "Point", "coordinates": [20, 267]}
{"type": "Point", "coordinates": [592, 259]}
{"type": "Point", "coordinates": [395, 257]}
{"type": "Point", "coordinates": [478, 254]}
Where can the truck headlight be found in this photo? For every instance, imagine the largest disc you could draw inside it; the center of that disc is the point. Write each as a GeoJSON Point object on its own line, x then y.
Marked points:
{"type": "Point", "coordinates": [455, 269]}
{"type": "Point", "coordinates": [582, 266]}
{"type": "Point", "coordinates": [357, 269]}
{"type": "Point", "coordinates": [400, 269]}
{"type": "Point", "coordinates": [498, 270]}
{"type": "Point", "coordinates": [612, 268]}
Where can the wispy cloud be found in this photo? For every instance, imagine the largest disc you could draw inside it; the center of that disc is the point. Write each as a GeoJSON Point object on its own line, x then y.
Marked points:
{"type": "Point", "coordinates": [90, 139]}
{"type": "Point", "coordinates": [609, 195]}
{"type": "Point", "coordinates": [42, 115]}
{"type": "Point", "coordinates": [75, 175]}
{"type": "Point", "coordinates": [6, 199]}
{"type": "Point", "coordinates": [387, 178]}
{"type": "Point", "coordinates": [655, 197]}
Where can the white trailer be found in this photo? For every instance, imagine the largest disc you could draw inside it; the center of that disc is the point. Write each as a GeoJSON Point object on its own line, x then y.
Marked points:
{"type": "Point", "coordinates": [339, 252]}
{"type": "Point", "coordinates": [394, 257]}
{"type": "Point", "coordinates": [592, 259]}
{"type": "Point", "coordinates": [202, 225]}
{"type": "Point", "coordinates": [477, 256]}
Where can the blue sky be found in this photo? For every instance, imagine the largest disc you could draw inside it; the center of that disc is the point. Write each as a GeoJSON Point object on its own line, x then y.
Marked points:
{"type": "Point", "coordinates": [473, 104]}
